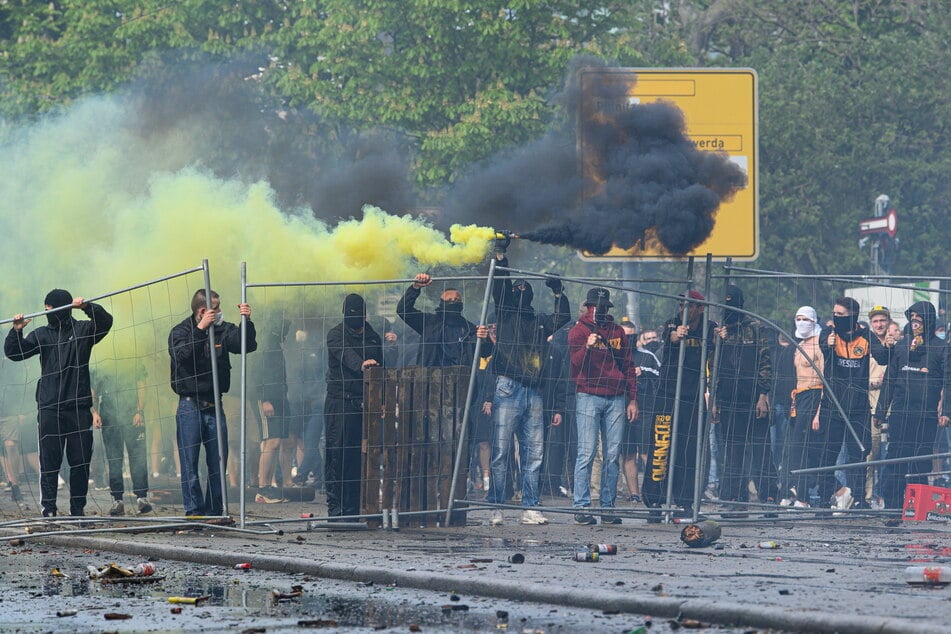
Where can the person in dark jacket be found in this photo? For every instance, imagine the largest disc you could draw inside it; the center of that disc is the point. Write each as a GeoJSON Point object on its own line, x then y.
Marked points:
{"type": "Point", "coordinates": [352, 347]}
{"type": "Point", "coordinates": [268, 386]}
{"type": "Point", "coordinates": [636, 437]}
{"type": "Point", "coordinates": [191, 378]}
{"type": "Point", "coordinates": [517, 406]}
{"type": "Point", "coordinates": [744, 379]}
{"type": "Point", "coordinates": [909, 399]}
{"type": "Point", "coordinates": [63, 394]}
{"type": "Point", "coordinates": [447, 338]}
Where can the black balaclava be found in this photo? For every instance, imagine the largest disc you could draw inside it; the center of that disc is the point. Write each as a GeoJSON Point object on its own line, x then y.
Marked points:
{"type": "Point", "coordinates": [523, 298]}
{"type": "Point", "coordinates": [601, 316]}
{"type": "Point", "coordinates": [844, 325]}
{"type": "Point", "coordinates": [56, 298]}
{"type": "Point", "coordinates": [734, 298]}
{"type": "Point", "coordinates": [449, 308]}
{"type": "Point", "coordinates": [354, 312]}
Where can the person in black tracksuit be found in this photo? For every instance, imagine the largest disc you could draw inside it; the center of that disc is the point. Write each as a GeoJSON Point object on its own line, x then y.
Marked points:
{"type": "Point", "coordinates": [658, 467]}
{"type": "Point", "coordinates": [63, 394]}
{"type": "Point", "coordinates": [911, 392]}
{"type": "Point", "coordinates": [352, 347]}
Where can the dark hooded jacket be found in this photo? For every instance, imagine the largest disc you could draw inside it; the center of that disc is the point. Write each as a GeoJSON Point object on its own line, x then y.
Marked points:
{"type": "Point", "coordinates": [190, 350]}
{"type": "Point", "coordinates": [745, 368]}
{"type": "Point", "coordinates": [914, 378]}
{"type": "Point", "coordinates": [447, 338]}
{"type": "Point", "coordinates": [64, 346]}
{"type": "Point", "coordinates": [520, 349]}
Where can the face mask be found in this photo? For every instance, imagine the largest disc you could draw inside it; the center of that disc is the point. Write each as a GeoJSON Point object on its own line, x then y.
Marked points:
{"type": "Point", "coordinates": [941, 335]}
{"type": "Point", "coordinates": [450, 307]}
{"type": "Point", "coordinates": [843, 324]}
{"type": "Point", "coordinates": [354, 322]}
{"type": "Point", "coordinates": [601, 315]}
{"type": "Point", "coordinates": [805, 329]}
{"type": "Point", "coordinates": [58, 318]}
{"type": "Point", "coordinates": [219, 318]}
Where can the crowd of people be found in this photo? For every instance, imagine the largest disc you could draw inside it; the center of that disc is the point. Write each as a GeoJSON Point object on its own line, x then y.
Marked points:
{"type": "Point", "coordinates": [583, 404]}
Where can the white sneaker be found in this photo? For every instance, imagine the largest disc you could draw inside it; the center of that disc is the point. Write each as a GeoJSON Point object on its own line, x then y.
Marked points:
{"type": "Point", "coordinates": [533, 518]}
{"type": "Point", "coordinates": [877, 503]}
{"type": "Point", "coordinates": [842, 502]}
{"type": "Point", "coordinates": [799, 504]}
{"type": "Point", "coordinates": [143, 505]}
{"type": "Point", "coordinates": [786, 502]}
{"type": "Point", "coordinates": [495, 518]}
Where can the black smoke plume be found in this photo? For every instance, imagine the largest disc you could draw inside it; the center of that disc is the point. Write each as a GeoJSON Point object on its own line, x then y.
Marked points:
{"type": "Point", "coordinates": [647, 184]}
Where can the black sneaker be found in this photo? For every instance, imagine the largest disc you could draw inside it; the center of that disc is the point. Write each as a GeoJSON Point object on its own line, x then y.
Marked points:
{"type": "Point", "coordinates": [610, 519]}
{"type": "Point", "coordinates": [585, 520]}
{"type": "Point", "coordinates": [654, 517]}
{"type": "Point", "coordinates": [49, 512]}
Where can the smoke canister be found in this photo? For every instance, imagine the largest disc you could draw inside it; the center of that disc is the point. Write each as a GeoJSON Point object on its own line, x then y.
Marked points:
{"type": "Point", "coordinates": [603, 549]}
{"type": "Point", "coordinates": [928, 575]}
{"type": "Point", "coordinates": [587, 555]}
{"type": "Point", "coordinates": [769, 545]}
{"type": "Point", "coordinates": [244, 566]}
{"type": "Point", "coordinates": [700, 534]}
{"type": "Point", "coordinates": [144, 570]}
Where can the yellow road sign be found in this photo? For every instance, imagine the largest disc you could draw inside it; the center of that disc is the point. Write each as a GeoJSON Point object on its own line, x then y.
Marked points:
{"type": "Point", "coordinates": [720, 111]}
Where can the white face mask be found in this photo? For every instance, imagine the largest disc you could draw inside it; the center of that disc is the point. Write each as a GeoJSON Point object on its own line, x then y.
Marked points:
{"type": "Point", "coordinates": [219, 318]}
{"type": "Point", "coordinates": [805, 329]}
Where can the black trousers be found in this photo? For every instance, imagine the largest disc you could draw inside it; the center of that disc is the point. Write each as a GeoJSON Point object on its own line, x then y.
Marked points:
{"type": "Point", "coordinates": [119, 438]}
{"type": "Point", "coordinates": [682, 464]}
{"type": "Point", "coordinates": [746, 455]}
{"type": "Point", "coordinates": [344, 425]}
{"type": "Point", "coordinates": [65, 430]}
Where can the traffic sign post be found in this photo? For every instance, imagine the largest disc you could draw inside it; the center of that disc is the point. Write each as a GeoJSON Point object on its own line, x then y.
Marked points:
{"type": "Point", "coordinates": [720, 111]}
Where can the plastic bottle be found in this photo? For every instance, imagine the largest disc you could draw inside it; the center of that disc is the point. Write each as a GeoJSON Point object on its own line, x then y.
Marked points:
{"type": "Point", "coordinates": [928, 575]}
{"type": "Point", "coordinates": [603, 549]}
{"type": "Point", "coordinates": [587, 555]}
{"type": "Point", "coordinates": [144, 570]}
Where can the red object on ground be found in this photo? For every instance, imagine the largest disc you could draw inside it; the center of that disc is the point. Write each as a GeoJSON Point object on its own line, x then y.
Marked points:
{"type": "Point", "coordinates": [926, 503]}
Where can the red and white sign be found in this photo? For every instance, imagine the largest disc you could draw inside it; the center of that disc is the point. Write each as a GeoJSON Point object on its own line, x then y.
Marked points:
{"type": "Point", "coordinates": [886, 224]}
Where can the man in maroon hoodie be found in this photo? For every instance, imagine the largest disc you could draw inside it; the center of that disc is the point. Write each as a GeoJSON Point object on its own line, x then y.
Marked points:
{"type": "Point", "coordinates": [606, 380]}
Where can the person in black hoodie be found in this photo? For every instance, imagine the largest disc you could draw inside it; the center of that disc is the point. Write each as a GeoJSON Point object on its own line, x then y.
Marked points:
{"type": "Point", "coordinates": [189, 347]}
{"type": "Point", "coordinates": [744, 379]}
{"type": "Point", "coordinates": [909, 399]}
{"type": "Point", "coordinates": [447, 338]}
{"type": "Point", "coordinates": [63, 394]}
{"type": "Point", "coordinates": [517, 406]}
{"type": "Point", "coordinates": [352, 347]}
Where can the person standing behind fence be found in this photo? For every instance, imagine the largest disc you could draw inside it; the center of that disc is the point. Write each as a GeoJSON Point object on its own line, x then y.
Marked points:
{"type": "Point", "coordinates": [191, 378]}
{"type": "Point", "coordinates": [63, 395]}
{"type": "Point", "coordinates": [606, 380]}
{"type": "Point", "coordinates": [879, 318]}
{"type": "Point", "coordinates": [447, 338]}
{"type": "Point", "coordinates": [119, 411]}
{"type": "Point", "coordinates": [352, 347]}
{"type": "Point", "coordinates": [909, 401]}
{"type": "Point", "coordinates": [636, 439]}
{"type": "Point", "coordinates": [269, 396]}
{"type": "Point", "coordinates": [693, 379]}
{"type": "Point", "coordinates": [744, 378]}
{"type": "Point", "coordinates": [518, 407]}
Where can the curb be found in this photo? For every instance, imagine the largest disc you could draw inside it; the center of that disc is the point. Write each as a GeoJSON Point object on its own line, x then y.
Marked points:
{"type": "Point", "coordinates": [722, 613]}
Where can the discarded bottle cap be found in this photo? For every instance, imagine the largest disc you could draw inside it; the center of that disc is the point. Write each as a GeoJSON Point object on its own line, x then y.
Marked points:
{"type": "Point", "coordinates": [516, 558]}
{"type": "Point", "coordinates": [603, 549]}
{"type": "Point", "coordinates": [768, 545]}
{"type": "Point", "coordinates": [587, 555]}
{"type": "Point", "coordinates": [244, 566]}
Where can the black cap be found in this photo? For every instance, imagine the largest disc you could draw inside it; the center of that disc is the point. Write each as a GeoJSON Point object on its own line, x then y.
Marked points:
{"type": "Point", "coordinates": [599, 296]}
{"type": "Point", "coordinates": [58, 297]}
{"type": "Point", "coordinates": [354, 305]}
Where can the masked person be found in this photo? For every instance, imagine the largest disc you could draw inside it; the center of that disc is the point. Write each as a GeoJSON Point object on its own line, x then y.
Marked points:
{"type": "Point", "coordinates": [636, 437]}
{"type": "Point", "coordinates": [63, 395]}
{"type": "Point", "coordinates": [909, 400]}
{"type": "Point", "coordinates": [352, 347]}
{"type": "Point", "coordinates": [605, 378]}
{"type": "Point", "coordinates": [693, 385]}
{"type": "Point", "coordinates": [196, 426]}
{"type": "Point", "coordinates": [803, 440]}
{"type": "Point", "coordinates": [517, 406]}
{"type": "Point", "coordinates": [847, 349]}
{"type": "Point", "coordinates": [744, 378]}
{"type": "Point", "coordinates": [447, 338]}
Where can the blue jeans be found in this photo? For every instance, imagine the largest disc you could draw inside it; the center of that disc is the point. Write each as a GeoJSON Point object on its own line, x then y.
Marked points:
{"type": "Point", "coordinates": [517, 410]}
{"type": "Point", "coordinates": [594, 415]}
{"type": "Point", "coordinates": [196, 428]}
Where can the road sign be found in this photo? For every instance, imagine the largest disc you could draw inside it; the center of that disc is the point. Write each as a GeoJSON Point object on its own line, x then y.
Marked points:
{"type": "Point", "coordinates": [720, 110]}
{"type": "Point", "coordinates": [886, 224]}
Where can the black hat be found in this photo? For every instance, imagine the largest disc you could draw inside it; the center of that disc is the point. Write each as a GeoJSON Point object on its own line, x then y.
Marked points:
{"type": "Point", "coordinates": [58, 297]}
{"type": "Point", "coordinates": [354, 305]}
{"type": "Point", "coordinates": [599, 296]}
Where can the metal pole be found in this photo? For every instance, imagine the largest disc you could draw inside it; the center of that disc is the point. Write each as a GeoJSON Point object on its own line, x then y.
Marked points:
{"type": "Point", "coordinates": [856, 465]}
{"type": "Point", "coordinates": [242, 475]}
{"type": "Point", "coordinates": [219, 415]}
{"type": "Point", "coordinates": [681, 353]}
{"type": "Point", "coordinates": [701, 394]}
{"type": "Point", "coordinates": [631, 270]}
{"type": "Point", "coordinates": [463, 441]}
